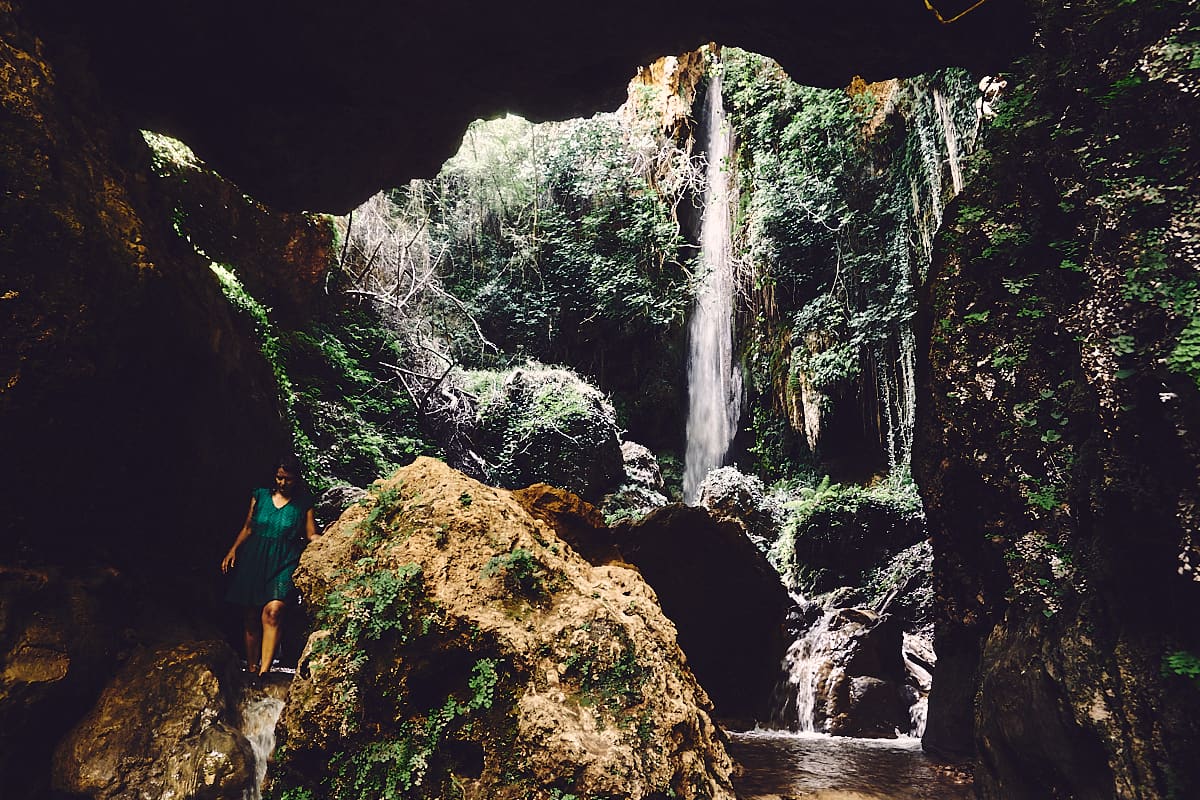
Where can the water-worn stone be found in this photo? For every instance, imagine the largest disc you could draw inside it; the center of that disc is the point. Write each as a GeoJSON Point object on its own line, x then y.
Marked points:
{"type": "Point", "coordinates": [164, 728]}
{"type": "Point", "coordinates": [848, 672]}
{"type": "Point", "coordinates": [465, 650]}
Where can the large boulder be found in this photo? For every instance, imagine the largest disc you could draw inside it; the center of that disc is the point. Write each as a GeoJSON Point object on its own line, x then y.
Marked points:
{"type": "Point", "coordinates": [539, 424]}
{"type": "Point", "coordinates": [166, 727]}
{"type": "Point", "coordinates": [59, 637]}
{"type": "Point", "coordinates": [834, 534]}
{"type": "Point", "coordinates": [724, 597]}
{"type": "Point", "coordinates": [463, 649]}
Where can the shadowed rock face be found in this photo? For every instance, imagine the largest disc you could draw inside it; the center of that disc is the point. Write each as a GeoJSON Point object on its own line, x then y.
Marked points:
{"type": "Point", "coordinates": [317, 106]}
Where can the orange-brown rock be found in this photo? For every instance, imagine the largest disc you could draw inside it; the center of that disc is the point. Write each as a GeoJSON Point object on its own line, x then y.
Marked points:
{"type": "Point", "coordinates": [463, 647]}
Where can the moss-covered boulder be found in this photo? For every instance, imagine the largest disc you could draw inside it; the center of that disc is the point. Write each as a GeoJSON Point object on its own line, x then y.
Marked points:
{"type": "Point", "coordinates": [834, 534]}
{"type": "Point", "coordinates": [538, 424]}
{"type": "Point", "coordinates": [463, 650]}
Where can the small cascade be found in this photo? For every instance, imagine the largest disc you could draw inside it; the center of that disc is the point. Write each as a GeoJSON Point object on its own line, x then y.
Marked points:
{"type": "Point", "coordinates": [714, 380]}
{"type": "Point", "coordinates": [260, 713]}
{"type": "Point", "coordinates": [805, 665]}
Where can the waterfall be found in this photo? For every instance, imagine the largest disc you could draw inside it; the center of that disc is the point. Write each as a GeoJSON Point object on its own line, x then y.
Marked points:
{"type": "Point", "coordinates": [259, 714]}
{"type": "Point", "coordinates": [951, 137]}
{"type": "Point", "coordinates": [714, 381]}
{"type": "Point", "coordinates": [806, 664]}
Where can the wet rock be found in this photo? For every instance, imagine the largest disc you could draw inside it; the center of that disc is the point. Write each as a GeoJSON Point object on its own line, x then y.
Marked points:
{"type": "Point", "coordinates": [846, 677]}
{"type": "Point", "coordinates": [731, 495]}
{"type": "Point", "coordinates": [463, 644]}
{"type": "Point", "coordinates": [724, 598]}
{"type": "Point", "coordinates": [165, 727]}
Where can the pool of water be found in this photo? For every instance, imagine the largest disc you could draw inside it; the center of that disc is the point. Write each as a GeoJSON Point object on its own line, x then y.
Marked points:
{"type": "Point", "coordinates": [780, 765]}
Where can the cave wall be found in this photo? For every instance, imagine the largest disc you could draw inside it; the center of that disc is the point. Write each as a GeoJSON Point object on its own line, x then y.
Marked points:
{"type": "Point", "coordinates": [135, 410]}
{"type": "Point", "coordinates": [1057, 451]}
{"type": "Point", "coordinates": [317, 106]}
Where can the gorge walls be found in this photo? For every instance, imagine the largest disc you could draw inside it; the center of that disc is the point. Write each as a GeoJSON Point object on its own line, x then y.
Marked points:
{"type": "Point", "coordinates": [1056, 448]}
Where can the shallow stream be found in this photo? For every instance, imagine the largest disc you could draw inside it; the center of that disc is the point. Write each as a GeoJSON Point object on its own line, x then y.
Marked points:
{"type": "Point", "coordinates": [780, 765]}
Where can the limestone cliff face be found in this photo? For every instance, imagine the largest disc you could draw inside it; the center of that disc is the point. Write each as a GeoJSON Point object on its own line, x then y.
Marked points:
{"type": "Point", "coordinates": [1058, 454]}
{"type": "Point", "coordinates": [464, 650]}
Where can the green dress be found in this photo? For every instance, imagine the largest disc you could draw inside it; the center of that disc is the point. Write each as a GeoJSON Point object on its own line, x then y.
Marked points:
{"type": "Point", "coordinates": [266, 560]}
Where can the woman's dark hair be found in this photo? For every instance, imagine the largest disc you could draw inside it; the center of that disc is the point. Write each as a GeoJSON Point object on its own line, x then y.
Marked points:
{"type": "Point", "coordinates": [287, 462]}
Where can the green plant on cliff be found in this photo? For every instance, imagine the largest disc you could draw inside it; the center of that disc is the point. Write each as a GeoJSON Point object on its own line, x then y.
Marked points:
{"type": "Point", "coordinates": [520, 571]}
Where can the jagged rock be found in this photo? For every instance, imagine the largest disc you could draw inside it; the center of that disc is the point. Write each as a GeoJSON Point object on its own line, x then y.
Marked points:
{"type": "Point", "coordinates": [464, 648]}
{"type": "Point", "coordinates": [903, 587]}
{"type": "Point", "coordinates": [731, 495]}
{"type": "Point", "coordinates": [642, 491]}
{"type": "Point", "coordinates": [576, 521]}
{"type": "Point", "coordinates": [165, 727]}
{"type": "Point", "coordinates": [641, 467]}
{"type": "Point", "coordinates": [724, 598]}
{"type": "Point", "coordinates": [537, 424]}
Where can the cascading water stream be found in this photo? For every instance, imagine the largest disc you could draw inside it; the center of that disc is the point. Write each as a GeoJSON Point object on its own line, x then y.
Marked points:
{"type": "Point", "coordinates": [260, 713]}
{"type": "Point", "coordinates": [714, 381]}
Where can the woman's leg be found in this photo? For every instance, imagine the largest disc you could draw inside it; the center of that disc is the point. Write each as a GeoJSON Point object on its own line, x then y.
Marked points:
{"type": "Point", "coordinates": [252, 632]}
{"type": "Point", "coordinates": [272, 620]}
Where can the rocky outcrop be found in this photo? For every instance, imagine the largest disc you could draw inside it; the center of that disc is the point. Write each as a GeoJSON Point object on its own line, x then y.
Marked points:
{"type": "Point", "coordinates": [1058, 455]}
{"type": "Point", "coordinates": [464, 650]}
{"type": "Point", "coordinates": [732, 496]}
{"type": "Point", "coordinates": [165, 727]}
{"type": "Point", "coordinates": [642, 489]}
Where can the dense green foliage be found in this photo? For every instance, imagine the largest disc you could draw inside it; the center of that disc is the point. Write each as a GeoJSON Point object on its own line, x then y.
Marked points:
{"type": "Point", "coordinates": [833, 533]}
{"type": "Point", "coordinates": [827, 222]}
{"type": "Point", "coordinates": [358, 422]}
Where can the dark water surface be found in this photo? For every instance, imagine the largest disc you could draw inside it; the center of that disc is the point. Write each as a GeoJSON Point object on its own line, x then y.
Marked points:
{"type": "Point", "coordinates": [790, 766]}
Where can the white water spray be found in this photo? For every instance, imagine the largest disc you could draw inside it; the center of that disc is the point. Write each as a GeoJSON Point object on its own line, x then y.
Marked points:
{"type": "Point", "coordinates": [260, 713]}
{"type": "Point", "coordinates": [714, 381]}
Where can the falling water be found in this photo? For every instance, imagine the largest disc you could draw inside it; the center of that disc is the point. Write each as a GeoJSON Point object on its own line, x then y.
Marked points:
{"type": "Point", "coordinates": [806, 664]}
{"type": "Point", "coordinates": [259, 715]}
{"type": "Point", "coordinates": [714, 381]}
{"type": "Point", "coordinates": [951, 137]}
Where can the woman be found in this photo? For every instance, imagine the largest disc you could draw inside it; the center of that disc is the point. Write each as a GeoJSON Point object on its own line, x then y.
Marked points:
{"type": "Point", "coordinates": [263, 558]}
